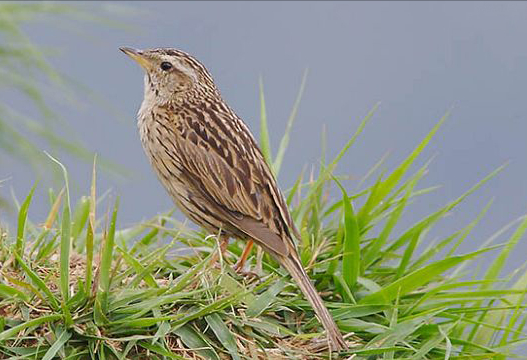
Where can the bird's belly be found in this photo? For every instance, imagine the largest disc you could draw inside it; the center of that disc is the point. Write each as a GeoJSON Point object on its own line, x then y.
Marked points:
{"type": "Point", "coordinates": [169, 171]}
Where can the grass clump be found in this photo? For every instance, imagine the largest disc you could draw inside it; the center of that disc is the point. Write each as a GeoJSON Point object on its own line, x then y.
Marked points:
{"type": "Point", "coordinates": [78, 286]}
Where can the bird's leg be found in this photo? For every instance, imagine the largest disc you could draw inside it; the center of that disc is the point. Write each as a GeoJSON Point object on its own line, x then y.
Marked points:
{"type": "Point", "coordinates": [224, 241]}
{"type": "Point", "coordinates": [245, 254]}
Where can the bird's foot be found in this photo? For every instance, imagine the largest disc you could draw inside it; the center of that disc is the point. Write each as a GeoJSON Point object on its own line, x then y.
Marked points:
{"type": "Point", "coordinates": [250, 275]}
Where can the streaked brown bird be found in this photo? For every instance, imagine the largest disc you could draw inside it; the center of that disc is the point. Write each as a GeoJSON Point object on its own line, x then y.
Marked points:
{"type": "Point", "coordinates": [212, 167]}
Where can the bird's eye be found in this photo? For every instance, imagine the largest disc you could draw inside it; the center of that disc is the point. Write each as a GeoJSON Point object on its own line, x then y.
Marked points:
{"type": "Point", "coordinates": [165, 65]}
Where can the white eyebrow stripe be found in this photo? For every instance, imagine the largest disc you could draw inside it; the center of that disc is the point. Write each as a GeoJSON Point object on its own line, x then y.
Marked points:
{"type": "Point", "coordinates": [179, 66]}
{"type": "Point", "coordinates": [187, 71]}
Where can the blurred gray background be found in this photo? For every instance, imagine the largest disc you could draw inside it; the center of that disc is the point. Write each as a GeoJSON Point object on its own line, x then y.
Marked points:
{"type": "Point", "coordinates": [419, 59]}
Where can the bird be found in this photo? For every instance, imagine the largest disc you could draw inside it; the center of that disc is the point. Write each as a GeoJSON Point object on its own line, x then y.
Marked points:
{"type": "Point", "coordinates": [212, 167]}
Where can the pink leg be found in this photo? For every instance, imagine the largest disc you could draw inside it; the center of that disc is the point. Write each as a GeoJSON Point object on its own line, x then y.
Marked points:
{"type": "Point", "coordinates": [239, 265]}
{"type": "Point", "coordinates": [224, 241]}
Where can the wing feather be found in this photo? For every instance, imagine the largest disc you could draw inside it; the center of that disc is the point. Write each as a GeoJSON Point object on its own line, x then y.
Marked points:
{"type": "Point", "coordinates": [230, 174]}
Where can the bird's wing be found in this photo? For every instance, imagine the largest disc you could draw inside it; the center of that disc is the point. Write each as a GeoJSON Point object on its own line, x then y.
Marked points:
{"type": "Point", "coordinates": [225, 166]}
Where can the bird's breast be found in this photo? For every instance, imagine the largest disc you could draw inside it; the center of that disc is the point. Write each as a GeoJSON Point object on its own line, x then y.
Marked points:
{"type": "Point", "coordinates": [159, 140]}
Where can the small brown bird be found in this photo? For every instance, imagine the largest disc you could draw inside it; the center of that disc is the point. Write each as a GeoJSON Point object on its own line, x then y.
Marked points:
{"type": "Point", "coordinates": [211, 166]}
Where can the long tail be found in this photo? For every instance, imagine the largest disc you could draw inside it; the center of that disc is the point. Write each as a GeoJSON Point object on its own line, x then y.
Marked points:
{"type": "Point", "coordinates": [292, 264]}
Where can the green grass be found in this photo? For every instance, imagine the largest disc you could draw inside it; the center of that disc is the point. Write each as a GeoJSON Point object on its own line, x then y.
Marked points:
{"type": "Point", "coordinates": [80, 287]}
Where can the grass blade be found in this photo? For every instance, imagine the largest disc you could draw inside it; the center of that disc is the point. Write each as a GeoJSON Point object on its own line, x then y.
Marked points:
{"type": "Point", "coordinates": [80, 216]}
{"type": "Point", "coordinates": [328, 171]}
{"type": "Point", "coordinates": [391, 181]}
{"type": "Point", "coordinates": [483, 335]}
{"type": "Point", "coordinates": [91, 228]}
{"type": "Point", "coordinates": [38, 282]}
{"type": "Point", "coordinates": [378, 244]}
{"type": "Point", "coordinates": [9, 333]}
{"type": "Point", "coordinates": [264, 300]}
{"type": "Point", "coordinates": [65, 238]}
{"type": "Point", "coordinates": [191, 339]}
{"type": "Point", "coordinates": [223, 334]}
{"type": "Point", "coordinates": [9, 292]}
{"type": "Point", "coordinates": [155, 348]}
{"type": "Point", "coordinates": [57, 345]}
{"type": "Point", "coordinates": [431, 219]}
{"type": "Point", "coordinates": [106, 261]}
{"type": "Point", "coordinates": [416, 279]}
{"type": "Point", "coordinates": [22, 219]}
{"type": "Point", "coordinates": [277, 164]}
{"type": "Point", "coordinates": [265, 142]}
{"type": "Point", "coordinates": [351, 255]}
{"type": "Point", "coordinates": [497, 265]}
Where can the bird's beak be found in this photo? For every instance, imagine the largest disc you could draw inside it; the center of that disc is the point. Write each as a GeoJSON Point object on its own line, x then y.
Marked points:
{"type": "Point", "coordinates": [137, 55]}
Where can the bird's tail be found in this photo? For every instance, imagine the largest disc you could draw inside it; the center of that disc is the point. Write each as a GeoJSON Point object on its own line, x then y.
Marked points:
{"type": "Point", "coordinates": [293, 265]}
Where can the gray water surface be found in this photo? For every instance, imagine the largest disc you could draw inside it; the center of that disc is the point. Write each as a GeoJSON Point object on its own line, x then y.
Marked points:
{"type": "Point", "coordinates": [419, 59]}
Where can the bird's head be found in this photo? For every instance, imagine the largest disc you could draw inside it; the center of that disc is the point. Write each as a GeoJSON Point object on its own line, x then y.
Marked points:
{"type": "Point", "coordinates": [171, 73]}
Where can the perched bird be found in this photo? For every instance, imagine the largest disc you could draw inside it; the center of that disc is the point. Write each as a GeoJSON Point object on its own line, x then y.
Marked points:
{"type": "Point", "coordinates": [212, 167]}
